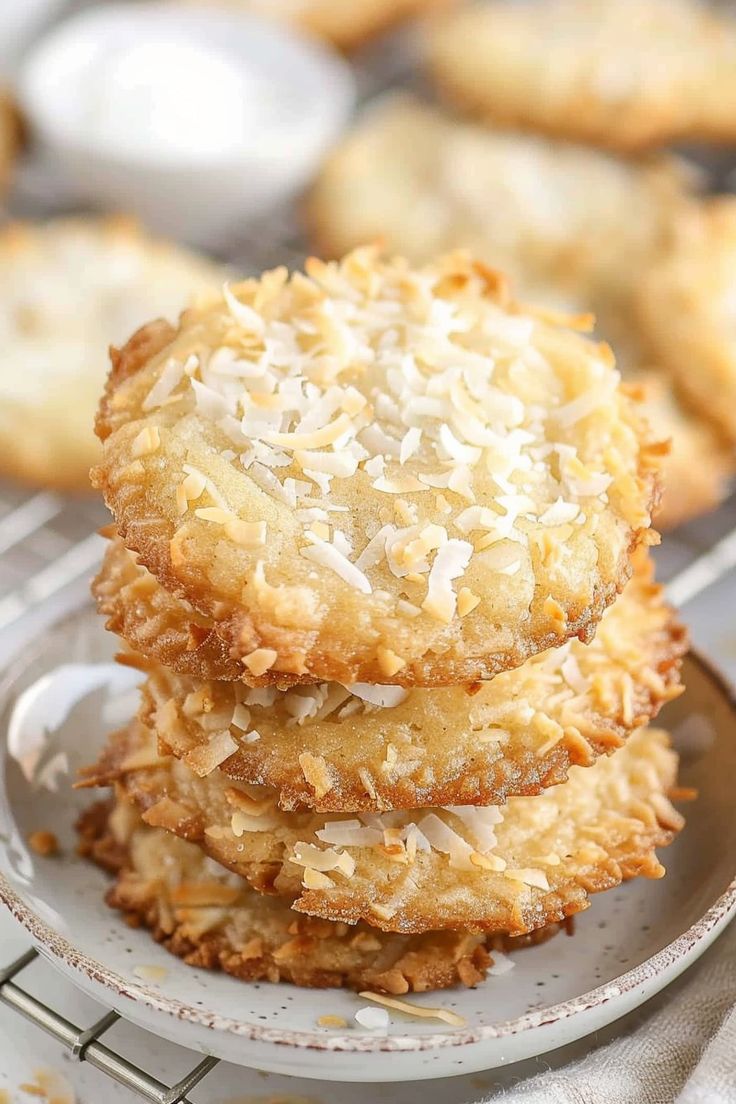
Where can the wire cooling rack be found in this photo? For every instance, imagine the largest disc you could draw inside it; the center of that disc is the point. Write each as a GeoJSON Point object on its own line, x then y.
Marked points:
{"type": "Point", "coordinates": [49, 547]}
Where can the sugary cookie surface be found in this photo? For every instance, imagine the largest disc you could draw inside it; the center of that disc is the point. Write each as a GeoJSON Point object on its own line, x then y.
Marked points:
{"type": "Point", "coordinates": [374, 473]}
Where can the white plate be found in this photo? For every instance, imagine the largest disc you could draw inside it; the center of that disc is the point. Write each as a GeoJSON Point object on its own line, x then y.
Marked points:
{"type": "Point", "coordinates": [629, 945]}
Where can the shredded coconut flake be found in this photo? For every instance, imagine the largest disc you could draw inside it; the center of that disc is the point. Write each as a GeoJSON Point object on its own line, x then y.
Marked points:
{"type": "Point", "coordinates": [241, 717]}
{"type": "Point", "coordinates": [449, 564]}
{"type": "Point", "coordinates": [501, 964]}
{"type": "Point", "coordinates": [203, 760]}
{"type": "Point", "coordinates": [307, 855]}
{"type": "Point", "coordinates": [573, 676]}
{"type": "Point", "coordinates": [401, 483]}
{"type": "Point", "coordinates": [147, 441]}
{"type": "Point", "coordinates": [387, 697]}
{"type": "Point", "coordinates": [410, 444]}
{"type": "Point", "coordinates": [171, 374]}
{"type": "Point", "coordinates": [529, 876]}
{"type": "Point", "coordinates": [420, 1011]}
{"type": "Point", "coordinates": [559, 513]}
{"type": "Point", "coordinates": [373, 1019]}
{"type": "Point", "coordinates": [154, 974]}
{"type": "Point", "coordinates": [326, 555]}
{"type": "Point", "coordinates": [260, 660]}
{"type": "Point", "coordinates": [244, 315]}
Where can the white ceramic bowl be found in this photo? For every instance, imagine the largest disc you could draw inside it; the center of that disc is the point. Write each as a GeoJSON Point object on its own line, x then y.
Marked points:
{"type": "Point", "coordinates": [198, 199]}
{"type": "Point", "coordinates": [19, 22]}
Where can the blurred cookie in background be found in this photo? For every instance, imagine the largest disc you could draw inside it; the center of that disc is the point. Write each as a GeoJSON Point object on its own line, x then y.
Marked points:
{"type": "Point", "coordinates": [347, 24]}
{"type": "Point", "coordinates": [699, 465]}
{"type": "Point", "coordinates": [69, 289]}
{"type": "Point", "coordinates": [538, 209]}
{"type": "Point", "coordinates": [624, 74]}
{"type": "Point", "coordinates": [575, 228]}
{"type": "Point", "coordinates": [687, 307]}
{"type": "Point", "coordinates": [10, 135]}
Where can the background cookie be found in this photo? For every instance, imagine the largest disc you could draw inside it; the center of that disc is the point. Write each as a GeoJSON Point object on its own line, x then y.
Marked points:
{"type": "Point", "coordinates": [627, 74]}
{"type": "Point", "coordinates": [511, 869]}
{"type": "Point", "coordinates": [575, 229]}
{"type": "Point", "coordinates": [686, 309]}
{"type": "Point", "coordinates": [345, 23]}
{"type": "Point", "coordinates": [324, 748]}
{"type": "Point", "coordinates": [698, 469]}
{"type": "Point", "coordinates": [554, 217]}
{"type": "Point", "coordinates": [312, 463]}
{"type": "Point", "coordinates": [68, 288]}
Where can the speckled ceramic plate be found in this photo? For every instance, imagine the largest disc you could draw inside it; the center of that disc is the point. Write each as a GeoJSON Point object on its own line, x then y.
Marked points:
{"type": "Point", "coordinates": [630, 943]}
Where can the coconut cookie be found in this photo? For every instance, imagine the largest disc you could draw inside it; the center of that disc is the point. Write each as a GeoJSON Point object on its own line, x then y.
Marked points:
{"type": "Point", "coordinates": [68, 288]}
{"type": "Point", "coordinates": [698, 467]}
{"type": "Point", "coordinates": [346, 25]}
{"type": "Point", "coordinates": [625, 74]}
{"type": "Point", "coordinates": [686, 310]}
{"type": "Point", "coordinates": [512, 869]}
{"type": "Point", "coordinates": [564, 222]}
{"type": "Point", "coordinates": [569, 224]}
{"type": "Point", "coordinates": [370, 473]}
{"type": "Point", "coordinates": [211, 918]}
{"type": "Point", "coordinates": [384, 747]}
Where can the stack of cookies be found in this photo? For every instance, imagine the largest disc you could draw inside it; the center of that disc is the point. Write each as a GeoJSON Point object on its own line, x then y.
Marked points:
{"type": "Point", "coordinates": [380, 555]}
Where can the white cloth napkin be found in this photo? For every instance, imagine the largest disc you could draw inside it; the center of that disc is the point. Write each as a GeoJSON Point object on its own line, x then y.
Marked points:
{"type": "Point", "coordinates": [682, 1050]}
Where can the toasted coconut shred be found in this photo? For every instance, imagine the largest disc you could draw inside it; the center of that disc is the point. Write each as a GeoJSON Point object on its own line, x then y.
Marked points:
{"type": "Point", "coordinates": [417, 1010]}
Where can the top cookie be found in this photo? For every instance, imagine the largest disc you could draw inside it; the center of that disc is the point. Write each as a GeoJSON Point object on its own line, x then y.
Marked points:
{"type": "Point", "coordinates": [625, 74]}
{"type": "Point", "coordinates": [373, 473]}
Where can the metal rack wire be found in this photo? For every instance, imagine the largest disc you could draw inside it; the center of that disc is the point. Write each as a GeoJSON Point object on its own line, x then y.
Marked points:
{"type": "Point", "coordinates": [84, 1043]}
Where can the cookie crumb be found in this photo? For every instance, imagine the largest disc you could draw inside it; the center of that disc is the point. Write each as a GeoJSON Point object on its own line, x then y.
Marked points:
{"type": "Point", "coordinates": [50, 1086]}
{"type": "Point", "coordinates": [420, 1011]}
{"type": "Point", "coordinates": [44, 843]}
{"type": "Point", "coordinates": [325, 1021]}
{"type": "Point", "coordinates": [151, 973]}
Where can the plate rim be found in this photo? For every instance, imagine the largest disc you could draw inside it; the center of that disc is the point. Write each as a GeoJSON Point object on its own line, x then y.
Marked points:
{"type": "Point", "coordinates": [681, 951]}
